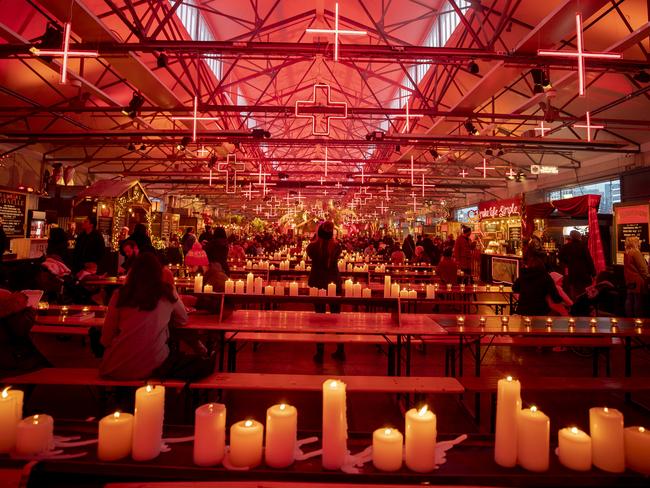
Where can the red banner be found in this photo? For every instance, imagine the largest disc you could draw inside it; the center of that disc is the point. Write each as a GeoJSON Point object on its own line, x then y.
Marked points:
{"type": "Point", "coordinates": [497, 209]}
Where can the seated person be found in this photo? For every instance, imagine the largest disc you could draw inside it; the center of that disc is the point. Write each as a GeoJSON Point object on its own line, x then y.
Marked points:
{"type": "Point", "coordinates": [139, 321]}
{"type": "Point", "coordinates": [420, 256]}
{"type": "Point", "coordinates": [130, 250]}
{"type": "Point", "coordinates": [537, 292]}
{"type": "Point", "coordinates": [397, 257]}
{"type": "Point", "coordinates": [447, 267]}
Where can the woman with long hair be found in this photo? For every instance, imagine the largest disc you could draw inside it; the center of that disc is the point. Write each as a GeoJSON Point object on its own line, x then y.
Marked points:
{"type": "Point", "coordinates": [137, 328]}
{"type": "Point", "coordinates": [637, 277]}
{"type": "Point", "coordinates": [324, 253]}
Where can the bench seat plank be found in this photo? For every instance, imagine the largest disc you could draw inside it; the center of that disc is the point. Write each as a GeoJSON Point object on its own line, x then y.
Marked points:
{"type": "Point", "coordinates": [546, 383]}
{"type": "Point", "coordinates": [79, 377]}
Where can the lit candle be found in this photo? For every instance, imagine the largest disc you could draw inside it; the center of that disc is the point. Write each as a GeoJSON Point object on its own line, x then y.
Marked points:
{"type": "Point", "coordinates": [356, 290]}
{"type": "Point", "coordinates": [198, 283]}
{"type": "Point", "coordinates": [404, 293]}
{"type": "Point", "coordinates": [527, 321]}
{"type": "Point", "coordinates": [9, 419]}
{"type": "Point", "coordinates": [413, 294]}
{"type": "Point", "coordinates": [322, 292]}
{"type": "Point", "coordinates": [574, 449]}
{"type": "Point", "coordinates": [331, 290]}
{"type": "Point", "coordinates": [148, 422]}
{"type": "Point", "coordinates": [313, 291]}
{"type": "Point", "coordinates": [335, 424]}
{"type": "Point", "coordinates": [387, 450]}
{"type": "Point", "coordinates": [387, 292]}
{"type": "Point", "coordinates": [239, 287]}
{"type": "Point", "coordinates": [35, 435]}
{"type": "Point", "coordinates": [431, 292]}
{"type": "Point", "coordinates": [460, 320]}
{"type": "Point", "coordinates": [394, 290]}
{"type": "Point", "coordinates": [115, 436]}
{"type": "Point", "coordinates": [366, 293]}
{"type": "Point", "coordinates": [449, 286]}
{"type": "Point", "coordinates": [281, 435]}
{"type": "Point", "coordinates": [268, 290]}
{"type": "Point", "coordinates": [293, 289]}
{"type": "Point", "coordinates": [347, 288]}
{"type": "Point", "coordinates": [246, 443]}
{"type": "Point", "coordinates": [482, 321]}
{"type": "Point", "coordinates": [508, 407]}
{"type": "Point", "coordinates": [549, 322]}
{"type": "Point", "coordinates": [208, 289]}
{"type": "Point", "coordinates": [421, 434]}
{"type": "Point", "coordinates": [637, 449]}
{"type": "Point", "coordinates": [475, 288]}
{"type": "Point", "coordinates": [229, 286]}
{"type": "Point", "coordinates": [258, 286]}
{"type": "Point", "coordinates": [533, 435]}
{"type": "Point", "coordinates": [250, 283]}
{"type": "Point", "coordinates": [462, 287]}
{"type": "Point", "coordinates": [209, 434]}
{"type": "Point", "coordinates": [607, 439]}
{"type": "Point", "coordinates": [505, 319]}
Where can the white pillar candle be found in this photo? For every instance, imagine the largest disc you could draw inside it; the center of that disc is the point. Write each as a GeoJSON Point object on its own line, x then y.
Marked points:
{"type": "Point", "coordinates": [348, 288]}
{"type": "Point", "coordinates": [413, 294]}
{"type": "Point", "coordinates": [148, 422]}
{"type": "Point", "coordinates": [335, 424]}
{"type": "Point", "coordinates": [366, 293]}
{"type": "Point", "coordinates": [198, 283]}
{"type": "Point", "coordinates": [387, 449]}
{"type": "Point", "coordinates": [508, 406]}
{"type": "Point", "coordinates": [293, 289]}
{"type": "Point", "coordinates": [637, 449]}
{"type": "Point", "coordinates": [341, 265]}
{"type": "Point", "coordinates": [258, 286]}
{"type": "Point", "coordinates": [356, 290]}
{"type": "Point", "coordinates": [421, 432]}
{"type": "Point", "coordinates": [239, 287]}
{"type": "Point", "coordinates": [279, 289]}
{"type": "Point", "coordinates": [313, 291]}
{"type": "Point", "coordinates": [272, 267]}
{"type": "Point", "coordinates": [35, 435]}
{"type": "Point", "coordinates": [246, 443]}
{"type": "Point", "coordinates": [394, 290]}
{"type": "Point", "coordinates": [331, 290]}
{"type": "Point", "coordinates": [404, 293]}
{"type": "Point", "coordinates": [229, 286]}
{"type": "Point", "coordinates": [249, 264]}
{"type": "Point", "coordinates": [387, 291]}
{"type": "Point", "coordinates": [574, 449]}
{"type": "Point", "coordinates": [208, 289]}
{"type": "Point", "coordinates": [250, 283]}
{"type": "Point", "coordinates": [607, 439]}
{"type": "Point", "coordinates": [9, 418]}
{"type": "Point", "coordinates": [115, 436]}
{"type": "Point", "coordinates": [533, 436]}
{"type": "Point", "coordinates": [322, 292]}
{"type": "Point", "coordinates": [209, 434]}
{"type": "Point", "coordinates": [281, 435]}
{"type": "Point", "coordinates": [268, 290]}
{"type": "Point", "coordinates": [431, 292]}
{"type": "Point", "coordinates": [350, 267]}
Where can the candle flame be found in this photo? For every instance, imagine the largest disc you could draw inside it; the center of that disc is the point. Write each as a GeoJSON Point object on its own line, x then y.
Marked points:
{"type": "Point", "coordinates": [283, 406]}
{"type": "Point", "coordinates": [533, 408]}
{"type": "Point", "coordinates": [641, 429]}
{"type": "Point", "coordinates": [423, 410]}
{"type": "Point", "coordinates": [333, 384]}
{"type": "Point", "coordinates": [5, 393]}
{"type": "Point", "coordinates": [606, 410]}
{"type": "Point", "coordinates": [508, 378]}
{"type": "Point", "coordinates": [390, 431]}
{"type": "Point", "coordinates": [248, 423]}
{"type": "Point", "coordinates": [116, 415]}
{"type": "Point", "coordinates": [574, 430]}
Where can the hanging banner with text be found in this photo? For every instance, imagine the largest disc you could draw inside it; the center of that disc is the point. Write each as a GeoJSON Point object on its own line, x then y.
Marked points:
{"type": "Point", "coordinates": [12, 212]}
{"type": "Point", "coordinates": [499, 209]}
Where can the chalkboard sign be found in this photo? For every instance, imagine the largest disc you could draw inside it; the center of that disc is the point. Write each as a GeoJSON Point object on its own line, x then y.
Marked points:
{"type": "Point", "coordinates": [514, 233]}
{"type": "Point", "coordinates": [12, 211]}
{"type": "Point", "coordinates": [639, 230]}
{"type": "Point", "coordinates": [105, 226]}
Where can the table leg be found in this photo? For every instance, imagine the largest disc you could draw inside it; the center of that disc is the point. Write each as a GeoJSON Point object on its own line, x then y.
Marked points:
{"type": "Point", "coordinates": [460, 355]}
{"type": "Point", "coordinates": [408, 355]}
{"type": "Point", "coordinates": [477, 352]}
{"type": "Point", "coordinates": [398, 356]}
{"type": "Point", "coordinates": [222, 349]}
{"type": "Point", "coordinates": [628, 364]}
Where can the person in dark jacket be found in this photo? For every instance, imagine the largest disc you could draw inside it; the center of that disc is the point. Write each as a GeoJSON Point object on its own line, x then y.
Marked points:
{"type": "Point", "coordinates": [141, 237]}
{"type": "Point", "coordinates": [217, 249]}
{"type": "Point", "coordinates": [324, 253]}
{"type": "Point", "coordinates": [207, 234]}
{"type": "Point", "coordinates": [580, 270]}
{"type": "Point", "coordinates": [4, 241]}
{"type": "Point", "coordinates": [188, 240]}
{"type": "Point", "coordinates": [408, 247]}
{"type": "Point", "coordinates": [463, 249]}
{"type": "Point", "coordinates": [537, 292]}
{"type": "Point", "coordinates": [89, 247]}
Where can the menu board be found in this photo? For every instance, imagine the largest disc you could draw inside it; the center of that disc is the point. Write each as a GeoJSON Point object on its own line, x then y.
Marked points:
{"type": "Point", "coordinates": [12, 211]}
{"type": "Point", "coordinates": [105, 226]}
{"type": "Point", "coordinates": [631, 221]}
{"type": "Point", "coordinates": [514, 233]}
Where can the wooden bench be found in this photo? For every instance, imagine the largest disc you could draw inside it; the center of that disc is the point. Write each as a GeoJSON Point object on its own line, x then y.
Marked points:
{"type": "Point", "coordinates": [488, 384]}
{"type": "Point", "coordinates": [60, 330]}
{"type": "Point", "coordinates": [80, 377]}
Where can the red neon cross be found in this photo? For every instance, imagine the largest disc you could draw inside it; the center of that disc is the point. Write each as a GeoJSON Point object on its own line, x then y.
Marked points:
{"type": "Point", "coordinates": [363, 195]}
{"type": "Point", "coordinates": [463, 173]}
{"type": "Point", "coordinates": [510, 173]}
{"type": "Point", "coordinates": [415, 203]}
{"type": "Point", "coordinates": [231, 167]}
{"type": "Point", "coordinates": [484, 168]}
{"type": "Point", "coordinates": [386, 191]}
{"type": "Point", "coordinates": [65, 52]}
{"type": "Point", "coordinates": [337, 32]}
{"type": "Point", "coordinates": [326, 109]}
{"type": "Point", "coordinates": [194, 118]}
{"type": "Point", "coordinates": [249, 193]}
{"type": "Point", "coordinates": [382, 207]}
{"type": "Point", "coordinates": [326, 160]}
{"type": "Point", "coordinates": [408, 116]}
{"type": "Point", "coordinates": [412, 170]}
{"type": "Point", "coordinates": [580, 54]}
{"type": "Point", "coordinates": [542, 128]}
{"type": "Point", "coordinates": [423, 185]}
{"type": "Point", "coordinates": [588, 126]}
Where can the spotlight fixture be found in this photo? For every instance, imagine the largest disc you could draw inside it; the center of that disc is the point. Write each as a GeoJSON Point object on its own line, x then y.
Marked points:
{"type": "Point", "coordinates": [52, 38]}
{"type": "Point", "coordinates": [143, 147]}
{"type": "Point", "coordinates": [375, 135]}
{"type": "Point", "coordinates": [398, 149]}
{"type": "Point", "coordinates": [642, 77]}
{"type": "Point", "coordinates": [488, 152]}
{"type": "Point", "coordinates": [541, 80]}
{"type": "Point", "coordinates": [260, 134]}
{"type": "Point", "coordinates": [161, 60]}
{"type": "Point", "coordinates": [283, 176]}
{"type": "Point", "coordinates": [500, 153]}
{"type": "Point", "coordinates": [131, 146]}
{"type": "Point", "coordinates": [473, 67]}
{"type": "Point", "coordinates": [434, 153]}
{"type": "Point", "coordinates": [134, 105]}
{"type": "Point", "coordinates": [469, 127]}
{"type": "Point", "coordinates": [183, 144]}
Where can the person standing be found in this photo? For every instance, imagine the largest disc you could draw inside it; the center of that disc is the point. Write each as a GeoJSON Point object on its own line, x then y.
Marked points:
{"type": "Point", "coordinates": [141, 237]}
{"type": "Point", "coordinates": [206, 235]}
{"type": "Point", "coordinates": [324, 253]}
{"type": "Point", "coordinates": [408, 247]}
{"type": "Point", "coordinates": [580, 270]}
{"type": "Point", "coordinates": [188, 240]}
{"type": "Point", "coordinates": [89, 246]}
{"type": "Point", "coordinates": [463, 248]}
{"type": "Point", "coordinates": [217, 249]}
{"type": "Point", "coordinates": [4, 241]}
{"type": "Point", "coordinates": [637, 278]}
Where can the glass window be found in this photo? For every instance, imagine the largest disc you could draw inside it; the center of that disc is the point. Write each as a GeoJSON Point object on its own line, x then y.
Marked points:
{"type": "Point", "coordinates": [462, 213]}
{"type": "Point", "coordinates": [609, 191]}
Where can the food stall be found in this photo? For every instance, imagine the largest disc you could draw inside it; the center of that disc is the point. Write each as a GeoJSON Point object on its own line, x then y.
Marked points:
{"type": "Point", "coordinates": [500, 233]}
{"type": "Point", "coordinates": [117, 204]}
{"type": "Point", "coordinates": [631, 220]}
